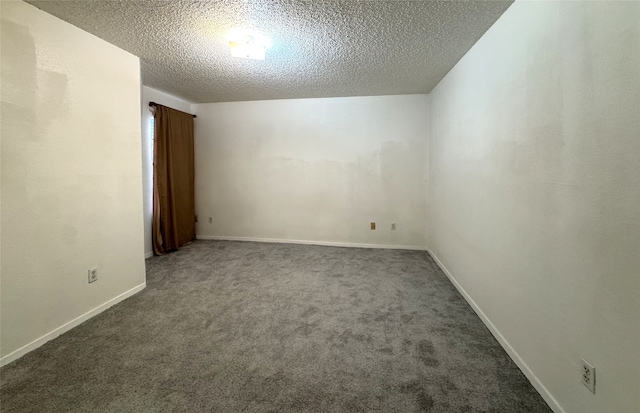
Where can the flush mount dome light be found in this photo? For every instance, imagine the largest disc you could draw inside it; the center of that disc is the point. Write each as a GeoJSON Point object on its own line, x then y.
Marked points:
{"type": "Point", "coordinates": [248, 44]}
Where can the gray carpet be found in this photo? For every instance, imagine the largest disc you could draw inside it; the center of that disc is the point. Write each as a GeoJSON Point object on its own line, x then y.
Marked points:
{"type": "Point", "coordinates": [249, 327]}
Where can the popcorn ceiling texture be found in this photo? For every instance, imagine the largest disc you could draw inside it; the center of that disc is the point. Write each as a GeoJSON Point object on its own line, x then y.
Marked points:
{"type": "Point", "coordinates": [320, 48]}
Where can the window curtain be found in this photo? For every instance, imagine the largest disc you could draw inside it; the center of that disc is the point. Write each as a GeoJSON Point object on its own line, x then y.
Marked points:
{"type": "Point", "coordinates": [173, 180]}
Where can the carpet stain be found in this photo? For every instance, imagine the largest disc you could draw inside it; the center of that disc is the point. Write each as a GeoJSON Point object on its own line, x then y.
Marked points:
{"type": "Point", "coordinates": [423, 399]}
{"type": "Point", "coordinates": [406, 318]}
{"type": "Point", "coordinates": [306, 329]}
{"type": "Point", "coordinates": [382, 317]}
{"type": "Point", "coordinates": [427, 353]}
{"type": "Point", "coordinates": [348, 338]}
{"type": "Point", "coordinates": [310, 311]}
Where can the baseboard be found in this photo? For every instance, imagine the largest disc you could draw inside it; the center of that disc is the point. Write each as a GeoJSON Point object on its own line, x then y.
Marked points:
{"type": "Point", "coordinates": [68, 326]}
{"type": "Point", "coordinates": [537, 384]}
{"type": "Point", "coordinates": [148, 254]}
{"type": "Point", "coordinates": [305, 242]}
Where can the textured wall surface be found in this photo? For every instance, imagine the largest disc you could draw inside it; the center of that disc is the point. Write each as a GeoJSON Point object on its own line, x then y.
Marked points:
{"type": "Point", "coordinates": [535, 191]}
{"type": "Point", "coordinates": [152, 95]}
{"type": "Point", "coordinates": [71, 174]}
{"type": "Point", "coordinates": [320, 48]}
{"type": "Point", "coordinates": [314, 169]}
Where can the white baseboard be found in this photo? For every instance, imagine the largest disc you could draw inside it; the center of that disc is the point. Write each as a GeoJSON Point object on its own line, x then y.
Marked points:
{"type": "Point", "coordinates": [537, 384]}
{"type": "Point", "coordinates": [305, 242]}
{"type": "Point", "coordinates": [148, 254]}
{"type": "Point", "coordinates": [68, 326]}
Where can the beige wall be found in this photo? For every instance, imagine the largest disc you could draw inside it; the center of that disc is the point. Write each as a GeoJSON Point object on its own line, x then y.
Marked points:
{"type": "Point", "coordinates": [532, 159]}
{"type": "Point", "coordinates": [314, 170]}
{"type": "Point", "coordinates": [152, 95]}
{"type": "Point", "coordinates": [71, 176]}
{"type": "Point", "coordinates": [535, 193]}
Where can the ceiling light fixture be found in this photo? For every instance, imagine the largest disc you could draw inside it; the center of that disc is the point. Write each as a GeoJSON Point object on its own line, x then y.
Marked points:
{"type": "Point", "coordinates": [248, 44]}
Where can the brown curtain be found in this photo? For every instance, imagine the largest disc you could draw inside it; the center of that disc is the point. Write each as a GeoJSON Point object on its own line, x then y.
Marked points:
{"type": "Point", "coordinates": [173, 180]}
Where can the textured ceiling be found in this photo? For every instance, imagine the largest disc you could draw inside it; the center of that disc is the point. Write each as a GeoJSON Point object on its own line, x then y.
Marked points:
{"type": "Point", "coordinates": [320, 48]}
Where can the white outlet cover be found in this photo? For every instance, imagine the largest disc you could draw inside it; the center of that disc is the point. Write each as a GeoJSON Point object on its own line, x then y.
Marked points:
{"type": "Point", "coordinates": [93, 274]}
{"type": "Point", "coordinates": [588, 375]}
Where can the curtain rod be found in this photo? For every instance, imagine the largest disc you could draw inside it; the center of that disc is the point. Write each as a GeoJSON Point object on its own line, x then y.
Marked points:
{"type": "Point", "coordinates": [154, 104]}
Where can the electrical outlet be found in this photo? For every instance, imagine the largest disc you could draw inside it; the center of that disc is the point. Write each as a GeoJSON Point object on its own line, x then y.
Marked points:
{"type": "Point", "coordinates": [588, 375]}
{"type": "Point", "coordinates": [93, 274]}
{"type": "Point", "coordinates": [373, 226]}
{"type": "Point", "coordinates": [393, 226]}
{"type": "Point", "coordinates": [210, 220]}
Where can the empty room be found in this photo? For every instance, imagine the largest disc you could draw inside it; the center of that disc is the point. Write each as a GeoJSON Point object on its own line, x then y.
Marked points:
{"type": "Point", "coordinates": [320, 206]}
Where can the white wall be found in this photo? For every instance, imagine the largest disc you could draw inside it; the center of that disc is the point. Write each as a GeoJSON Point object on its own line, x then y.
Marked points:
{"type": "Point", "coordinates": [71, 177]}
{"type": "Point", "coordinates": [152, 95]}
{"type": "Point", "coordinates": [535, 192]}
{"type": "Point", "coordinates": [314, 170]}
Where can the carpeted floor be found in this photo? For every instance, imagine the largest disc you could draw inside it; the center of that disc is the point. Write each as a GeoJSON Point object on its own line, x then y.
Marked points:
{"type": "Point", "coordinates": [250, 327]}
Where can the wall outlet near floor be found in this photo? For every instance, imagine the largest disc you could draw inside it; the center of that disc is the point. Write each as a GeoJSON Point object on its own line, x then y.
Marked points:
{"type": "Point", "coordinates": [373, 226]}
{"type": "Point", "coordinates": [210, 220]}
{"type": "Point", "coordinates": [588, 375]}
{"type": "Point", "coordinates": [393, 226]}
{"type": "Point", "coordinates": [93, 274]}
